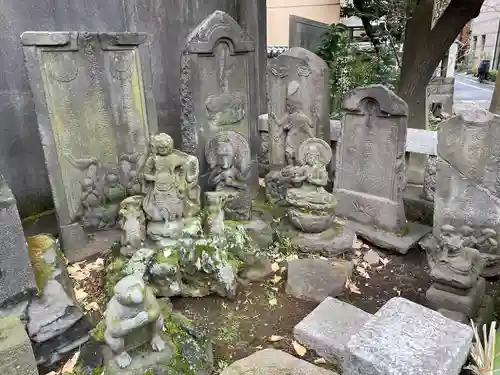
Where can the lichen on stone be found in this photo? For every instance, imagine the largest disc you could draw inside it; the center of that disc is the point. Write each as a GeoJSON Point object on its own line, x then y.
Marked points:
{"type": "Point", "coordinates": [37, 246]}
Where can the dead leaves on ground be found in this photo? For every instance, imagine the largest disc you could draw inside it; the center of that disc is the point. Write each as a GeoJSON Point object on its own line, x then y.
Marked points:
{"type": "Point", "coordinates": [81, 273]}
{"type": "Point", "coordinates": [299, 349]}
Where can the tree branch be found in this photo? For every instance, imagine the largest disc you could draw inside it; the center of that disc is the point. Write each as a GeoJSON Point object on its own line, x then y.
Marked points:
{"type": "Point", "coordinates": [359, 5]}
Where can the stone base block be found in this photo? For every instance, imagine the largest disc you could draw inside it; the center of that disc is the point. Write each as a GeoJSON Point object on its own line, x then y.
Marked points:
{"type": "Point", "coordinates": [273, 362]}
{"type": "Point", "coordinates": [142, 361]}
{"type": "Point", "coordinates": [466, 304]}
{"type": "Point", "coordinates": [331, 242]}
{"type": "Point", "coordinates": [96, 243]}
{"type": "Point", "coordinates": [391, 241]}
{"type": "Point", "coordinates": [406, 338]}
{"type": "Point", "coordinates": [418, 209]}
{"type": "Point", "coordinates": [328, 328]}
{"type": "Point", "coordinates": [486, 312]}
{"type": "Point", "coordinates": [454, 315]}
{"type": "Point", "coordinates": [16, 355]}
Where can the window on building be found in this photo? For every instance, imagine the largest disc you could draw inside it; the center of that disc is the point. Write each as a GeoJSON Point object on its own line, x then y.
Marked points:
{"type": "Point", "coordinates": [483, 42]}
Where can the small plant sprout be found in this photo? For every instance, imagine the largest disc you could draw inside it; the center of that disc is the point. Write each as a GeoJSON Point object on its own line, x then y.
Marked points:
{"type": "Point", "coordinates": [483, 353]}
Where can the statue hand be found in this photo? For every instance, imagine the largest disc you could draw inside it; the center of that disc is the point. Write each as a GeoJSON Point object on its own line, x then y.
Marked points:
{"type": "Point", "coordinates": [142, 318]}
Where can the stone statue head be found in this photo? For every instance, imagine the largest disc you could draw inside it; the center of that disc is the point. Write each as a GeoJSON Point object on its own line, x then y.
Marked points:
{"type": "Point", "coordinates": [215, 201]}
{"type": "Point", "coordinates": [162, 144]}
{"type": "Point", "coordinates": [489, 233]}
{"type": "Point", "coordinates": [451, 242]}
{"type": "Point", "coordinates": [87, 184]}
{"type": "Point", "coordinates": [129, 291]}
{"type": "Point", "coordinates": [111, 179]}
{"type": "Point", "coordinates": [225, 154]}
{"type": "Point", "coordinates": [466, 230]}
{"type": "Point", "coordinates": [314, 151]}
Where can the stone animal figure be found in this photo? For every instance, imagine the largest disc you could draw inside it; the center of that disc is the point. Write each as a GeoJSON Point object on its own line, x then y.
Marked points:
{"type": "Point", "coordinates": [132, 222]}
{"type": "Point", "coordinates": [133, 318]}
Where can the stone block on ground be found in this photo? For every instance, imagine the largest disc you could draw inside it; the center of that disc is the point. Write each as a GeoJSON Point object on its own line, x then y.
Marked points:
{"type": "Point", "coordinates": [316, 279]}
{"type": "Point", "coordinates": [273, 362]}
{"type": "Point", "coordinates": [400, 243]}
{"type": "Point", "coordinates": [141, 362]}
{"type": "Point", "coordinates": [16, 354]}
{"type": "Point", "coordinates": [328, 328]}
{"type": "Point", "coordinates": [329, 243]}
{"type": "Point", "coordinates": [406, 338]}
{"type": "Point", "coordinates": [451, 300]}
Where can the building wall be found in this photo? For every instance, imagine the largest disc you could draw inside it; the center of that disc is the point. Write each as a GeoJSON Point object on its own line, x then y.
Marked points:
{"type": "Point", "coordinates": [484, 31]}
{"type": "Point", "coordinates": [279, 11]}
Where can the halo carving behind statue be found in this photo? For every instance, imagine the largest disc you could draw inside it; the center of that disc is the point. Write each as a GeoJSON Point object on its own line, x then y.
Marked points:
{"type": "Point", "coordinates": [320, 145]}
{"type": "Point", "coordinates": [239, 144]}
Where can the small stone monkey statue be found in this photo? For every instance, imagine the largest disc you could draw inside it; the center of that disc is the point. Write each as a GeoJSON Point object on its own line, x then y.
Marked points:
{"type": "Point", "coordinates": [132, 308]}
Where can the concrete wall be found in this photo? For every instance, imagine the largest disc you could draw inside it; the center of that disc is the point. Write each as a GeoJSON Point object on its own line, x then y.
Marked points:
{"type": "Point", "coordinates": [486, 24]}
{"type": "Point", "coordinates": [169, 22]}
{"type": "Point", "coordinates": [279, 11]}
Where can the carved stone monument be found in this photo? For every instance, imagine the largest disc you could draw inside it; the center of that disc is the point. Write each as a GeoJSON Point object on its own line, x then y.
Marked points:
{"type": "Point", "coordinates": [298, 109]}
{"type": "Point", "coordinates": [468, 182]}
{"type": "Point", "coordinates": [457, 286]}
{"type": "Point", "coordinates": [94, 115]}
{"type": "Point", "coordinates": [16, 275]}
{"type": "Point", "coordinates": [217, 90]}
{"type": "Point", "coordinates": [312, 208]}
{"type": "Point", "coordinates": [371, 166]}
{"type": "Point", "coordinates": [228, 156]}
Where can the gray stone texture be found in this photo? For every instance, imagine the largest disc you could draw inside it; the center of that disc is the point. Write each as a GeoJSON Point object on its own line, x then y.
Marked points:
{"type": "Point", "coordinates": [16, 355]}
{"type": "Point", "coordinates": [406, 338]}
{"type": "Point", "coordinates": [371, 165]}
{"type": "Point", "coordinates": [441, 90]}
{"type": "Point", "coordinates": [329, 327]}
{"type": "Point", "coordinates": [16, 273]}
{"type": "Point", "coordinates": [21, 154]}
{"type": "Point", "coordinates": [217, 90]}
{"type": "Point", "coordinates": [418, 209]}
{"type": "Point", "coordinates": [455, 300]}
{"type": "Point", "coordinates": [94, 119]}
{"type": "Point", "coordinates": [297, 78]}
{"type": "Point", "coordinates": [305, 33]}
{"type": "Point", "coordinates": [330, 243]}
{"type": "Point", "coordinates": [273, 362]}
{"type": "Point", "coordinates": [316, 279]}
{"type": "Point", "coordinates": [467, 192]}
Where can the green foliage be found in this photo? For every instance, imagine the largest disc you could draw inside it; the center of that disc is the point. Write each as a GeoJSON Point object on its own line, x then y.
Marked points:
{"type": "Point", "coordinates": [492, 75]}
{"type": "Point", "coordinates": [97, 332]}
{"type": "Point", "coordinates": [351, 66]}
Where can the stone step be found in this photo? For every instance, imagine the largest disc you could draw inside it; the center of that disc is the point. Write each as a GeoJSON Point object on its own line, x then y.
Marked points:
{"type": "Point", "coordinates": [273, 362]}
{"type": "Point", "coordinates": [328, 328]}
{"type": "Point", "coordinates": [406, 338]}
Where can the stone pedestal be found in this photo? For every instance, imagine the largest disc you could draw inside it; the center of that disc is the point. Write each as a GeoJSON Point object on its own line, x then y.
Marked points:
{"type": "Point", "coordinates": [156, 362]}
{"type": "Point", "coordinates": [16, 355]}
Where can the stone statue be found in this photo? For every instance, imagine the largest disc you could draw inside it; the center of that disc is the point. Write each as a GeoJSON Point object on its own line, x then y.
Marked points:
{"type": "Point", "coordinates": [133, 318]}
{"type": "Point", "coordinates": [487, 242]}
{"type": "Point", "coordinates": [133, 224]}
{"type": "Point", "coordinates": [228, 155]}
{"type": "Point", "coordinates": [297, 126]}
{"type": "Point", "coordinates": [129, 165]}
{"type": "Point", "coordinates": [171, 177]}
{"type": "Point", "coordinates": [214, 223]}
{"type": "Point", "coordinates": [458, 266]}
{"type": "Point", "coordinates": [113, 189]}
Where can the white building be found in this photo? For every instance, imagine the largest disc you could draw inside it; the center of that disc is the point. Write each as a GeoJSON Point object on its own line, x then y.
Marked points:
{"type": "Point", "coordinates": [484, 39]}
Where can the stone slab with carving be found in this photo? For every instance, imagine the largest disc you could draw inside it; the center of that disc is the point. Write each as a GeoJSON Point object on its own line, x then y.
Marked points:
{"type": "Point", "coordinates": [370, 169]}
{"type": "Point", "coordinates": [95, 112]}
{"type": "Point", "coordinates": [218, 91]}
{"type": "Point", "coordinates": [467, 189]}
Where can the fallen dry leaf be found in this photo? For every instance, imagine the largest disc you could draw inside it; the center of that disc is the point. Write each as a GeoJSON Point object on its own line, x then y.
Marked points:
{"type": "Point", "coordinates": [275, 338]}
{"type": "Point", "coordinates": [384, 261]}
{"type": "Point", "coordinates": [68, 367]}
{"type": "Point", "coordinates": [299, 349]}
{"type": "Point", "coordinates": [92, 306]}
{"type": "Point", "coordinates": [276, 279]}
{"type": "Point", "coordinates": [352, 287]}
{"type": "Point", "coordinates": [273, 302]}
{"type": "Point", "coordinates": [80, 294]}
{"type": "Point", "coordinates": [357, 244]}
{"type": "Point", "coordinates": [275, 267]}
{"type": "Point", "coordinates": [362, 272]}
{"type": "Point", "coordinates": [320, 361]}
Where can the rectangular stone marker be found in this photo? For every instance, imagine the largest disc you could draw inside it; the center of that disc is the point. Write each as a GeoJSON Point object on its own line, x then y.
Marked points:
{"type": "Point", "coordinates": [441, 90]}
{"type": "Point", "coordinates": [298, 103]}
{"type": "Point", "coordinates": [16, 354]}
{"type": "Point", "coordinates": [467, 179]}
{"type": "Point", "coordinates": [406, 338]}
{"type": "Point", "coordinates": [95, 114]}
{"type": "Point", "coordinates": [16, 274]}
{"type": "Point", "coordinates": [218, 77]}
{"type": "Point", "coordinates": [371, 168]}
{"type": "Point", "coordinates": [305, 33]}
{"type": "Point", "coordinates": [329, 327]}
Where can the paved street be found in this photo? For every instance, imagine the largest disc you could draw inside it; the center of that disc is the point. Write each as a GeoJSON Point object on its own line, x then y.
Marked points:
{"type": "Point", "coordinates": [469, 93]}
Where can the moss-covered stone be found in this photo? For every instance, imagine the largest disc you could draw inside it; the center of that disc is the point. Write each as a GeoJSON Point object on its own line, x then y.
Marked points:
{"type": "Point", "coordinates": [37, 246]}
